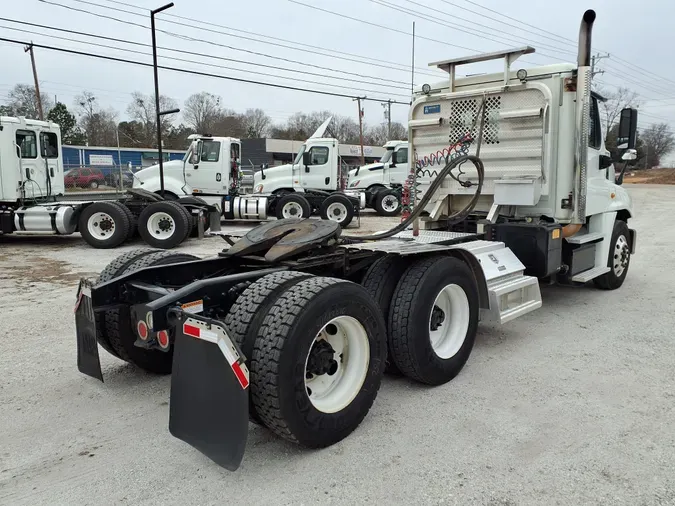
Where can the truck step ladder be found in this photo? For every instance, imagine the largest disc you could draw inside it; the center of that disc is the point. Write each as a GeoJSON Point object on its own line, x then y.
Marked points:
{"type": "Point", "coordinates": [586, 276]}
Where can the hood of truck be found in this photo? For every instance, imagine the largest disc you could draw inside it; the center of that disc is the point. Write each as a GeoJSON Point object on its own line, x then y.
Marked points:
{"type": "Point", "coordinates": [357, 181]}
{"type": "Point", "coordinates": [172, 169]}
{"type": "Point", "coordinates": [272, 174]}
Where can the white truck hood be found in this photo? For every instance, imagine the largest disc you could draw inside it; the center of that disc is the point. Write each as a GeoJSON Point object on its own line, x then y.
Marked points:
{"type": "Point", "coordinates": [172, 168]}
{"type": "Point", "coordinates": [270, 173]}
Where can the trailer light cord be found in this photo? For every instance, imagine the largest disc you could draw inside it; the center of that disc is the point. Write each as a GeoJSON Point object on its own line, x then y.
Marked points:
{"type": "Point", "coordinates": [455, 218]}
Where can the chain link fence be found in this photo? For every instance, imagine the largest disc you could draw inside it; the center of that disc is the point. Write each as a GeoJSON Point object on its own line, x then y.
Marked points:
{"type": "Point", "coordinates": [81, 178]}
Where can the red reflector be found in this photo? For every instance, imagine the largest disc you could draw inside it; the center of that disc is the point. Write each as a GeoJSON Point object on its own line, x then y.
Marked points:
{"type": "Point", "coordinates": [142, 329]}
{"type": "Point", "coordinates": [163, 338]}
{"type": "Point", "coordinates": [240, 374]}
{"type": "Point", "coordinates": [190, 330]}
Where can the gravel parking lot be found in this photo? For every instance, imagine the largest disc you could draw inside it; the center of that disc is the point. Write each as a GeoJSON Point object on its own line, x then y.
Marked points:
{"type": "Point", "coordinates": [571, 404]}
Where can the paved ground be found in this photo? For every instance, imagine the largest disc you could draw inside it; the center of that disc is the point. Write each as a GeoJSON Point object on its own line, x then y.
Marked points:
{"type": "Point", "coordinates": [572, 404]}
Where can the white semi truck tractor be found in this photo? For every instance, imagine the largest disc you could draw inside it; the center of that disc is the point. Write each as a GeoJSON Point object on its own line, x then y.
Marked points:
{"type": "Point", "coordinates": [211, 173]}
{"type": "Point", "coordinates": [33, 199]}
{"type": "Point", "coordinates": [383, 180]}
{"type": "Point", "coordinates": [293, 325]}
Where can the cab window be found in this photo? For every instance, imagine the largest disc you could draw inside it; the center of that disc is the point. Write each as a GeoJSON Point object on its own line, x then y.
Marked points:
{"type": "Point", "coordinates": [402, 155]}
{"type": "Point", "coordinates": [318, 155]}
{"type": "Point", "coordinates": [210, 151]}
{"type": "Point", "coordinates": [49, 145]}
{"type": "Point", "coordinates": [27, 141]}
{"type": "Point", "coordinates": [594, 133]}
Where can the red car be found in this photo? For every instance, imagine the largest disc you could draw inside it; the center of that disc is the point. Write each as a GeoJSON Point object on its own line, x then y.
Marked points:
{"type": "Point", "coordinates": [84, 178]}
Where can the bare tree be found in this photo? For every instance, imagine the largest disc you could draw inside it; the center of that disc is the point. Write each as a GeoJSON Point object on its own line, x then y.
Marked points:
{"type": "Point", "coordinates": [201, 111]}
{"type": "Point", "coordinates": [142, 109]}
{"type": "Point", "coordinates": [257, 123]}
{"type": "Point", "coordinates": [23, 102]}
{"type": "Point", "coordinates": [610, 110]}
{"type": "Point", "coordinates": [659, 141]}
{"type": "Point", "coordinates": [99, 126]}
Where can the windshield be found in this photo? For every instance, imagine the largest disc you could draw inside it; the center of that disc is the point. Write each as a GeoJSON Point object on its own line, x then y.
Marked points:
{"type": "Point", "coordinates": [387, 156]}
{"type": "Point", "coordinates": [299, 157]}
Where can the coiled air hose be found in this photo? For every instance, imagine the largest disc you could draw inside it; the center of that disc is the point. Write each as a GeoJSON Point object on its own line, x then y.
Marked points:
{"type": "Point", "coordinates": [455, 218]}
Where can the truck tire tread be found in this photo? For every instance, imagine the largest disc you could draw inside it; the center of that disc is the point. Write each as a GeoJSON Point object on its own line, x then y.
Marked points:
{"type": "Point", "coordinates": [182, 222]}
{"type": "Point", "coordinates": [244, 318]}
{"type": "Point", "coordinates": [380, 282]}
{"type": "Point", "coordinates": [118, 214]}
{"type": "Point", "coordinates": [408, 320]}
{"type": "Point", "coordinates": [271, 357]}
{"type": "Point", "coordinates": [609, 280]}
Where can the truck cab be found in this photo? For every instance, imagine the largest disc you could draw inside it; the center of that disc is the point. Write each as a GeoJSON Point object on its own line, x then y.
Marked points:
{"type": "Point", "coordinates": [391, 170]}
{"type": "Point", "coordinates": [317, 166]}
{"type": "Point", "coordinates": [30, 160]}
{"type": "Point", "coordinates": [210, 168]}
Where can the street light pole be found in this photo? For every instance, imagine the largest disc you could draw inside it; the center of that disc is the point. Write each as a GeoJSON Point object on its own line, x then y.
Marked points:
{"type": "Point", "coordinates": [159, 113]}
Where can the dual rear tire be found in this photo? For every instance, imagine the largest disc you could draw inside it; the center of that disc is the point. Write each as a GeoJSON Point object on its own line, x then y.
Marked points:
{"type": "Point", "coordinates": [336, 207]}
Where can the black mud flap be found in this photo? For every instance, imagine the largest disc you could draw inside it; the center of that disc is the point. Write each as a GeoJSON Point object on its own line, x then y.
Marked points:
{"type": "Point", "coordinates": [208, 407]}
{"type": "Point", "coordinates": [88, 361]}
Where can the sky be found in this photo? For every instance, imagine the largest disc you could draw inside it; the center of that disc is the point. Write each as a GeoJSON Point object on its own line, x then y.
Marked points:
{"type": "Point", "coordinates": [366, 48]}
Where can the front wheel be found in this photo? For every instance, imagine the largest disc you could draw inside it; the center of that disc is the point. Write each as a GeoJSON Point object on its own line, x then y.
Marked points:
{"type": "Point", "coordinates": [618, 258]}
{"type": "Point", "coordinates": [93, 185]}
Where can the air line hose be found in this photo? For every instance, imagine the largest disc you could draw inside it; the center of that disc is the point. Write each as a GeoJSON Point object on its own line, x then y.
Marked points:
{"type": "Point", "coordinates": [457, 217]}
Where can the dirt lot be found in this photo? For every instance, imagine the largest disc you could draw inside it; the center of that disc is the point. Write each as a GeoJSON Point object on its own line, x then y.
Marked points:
{"type": "Point", "coordinates": [651, 176]}
{"type": "Point", "coordinates": [572, 404]}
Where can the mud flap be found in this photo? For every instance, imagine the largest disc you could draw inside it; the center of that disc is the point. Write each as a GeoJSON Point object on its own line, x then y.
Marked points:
{"type": "Point", "coordinates": [88, 361]}
{"type": "Point", "coordinates": [208, 407]}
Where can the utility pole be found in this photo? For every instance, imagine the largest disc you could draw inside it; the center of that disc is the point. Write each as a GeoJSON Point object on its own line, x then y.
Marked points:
{"type": "Point", "coordinates": [594, 59]}
{"type": "Point", "coordinates": [158, 113]}
{"type": "Point", "coordinates": [387, 114]}
{"type": "Point", "coordinates": [29, 49]}
{"type": "Point", "coordinates": [358, 101]}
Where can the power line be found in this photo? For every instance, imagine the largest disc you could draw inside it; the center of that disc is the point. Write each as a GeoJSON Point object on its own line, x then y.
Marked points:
{"type": "Point", "coordinates": [211, 43]}
{"type": "Point", "coordinates": [378, 61]}
{"type": "Point", "coordinates": [518, 40]}
{"type": "Point", "coordinates": [380, 26]}
{"type": "Point", "coordinates": [618, 59]}
{"type": "Point", "coordinates": [192, 53]}
{"type": "Point", "coordinates": [546, 35]}
{"type": "Point", "coordinates": [238, 36]}
{"type": "Point", "coordinates": [199, 73]}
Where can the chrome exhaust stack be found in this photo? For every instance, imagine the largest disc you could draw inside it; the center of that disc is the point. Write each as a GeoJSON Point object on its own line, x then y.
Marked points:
{"type": "Point", "coordinates": [583, 115]}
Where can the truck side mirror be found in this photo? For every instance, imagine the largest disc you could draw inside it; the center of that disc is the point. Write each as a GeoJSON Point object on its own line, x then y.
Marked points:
{"type": "Point", "coordinates": [195, 153]}
{"type": "Point", "coordinates": [394, 159]}
{"type": "Point", "coordinates": [306, 160]}
{"type": "Point", "coordinates": [263, 166]}
{"type": "Point", "coordinates": [628, 156]}
{"type": "Point", "coordinates": [626, 137]}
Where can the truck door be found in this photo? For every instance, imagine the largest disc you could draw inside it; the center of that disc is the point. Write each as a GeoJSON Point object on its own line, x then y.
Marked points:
{"type": "Point", "coordinates": [33, 173]}
{"type": "Point", "coordinates": [398, 173]}
{"type": "Point", "coordinates": [210, 174]}
{"type": "Point", "coordinates": [49, 148]}
{"type": "Point", "coordinates": [318, 171]}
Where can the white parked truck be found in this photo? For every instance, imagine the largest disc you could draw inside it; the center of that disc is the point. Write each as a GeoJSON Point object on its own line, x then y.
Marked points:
{"type": "Point", "coordinates": [33, 198]}
{"type": "Point", "coordinates": [211, 170]}
{"type": "Point", "coordinates": [293, 325]}
{"type": "Point", "coordinates": [383, 180]}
